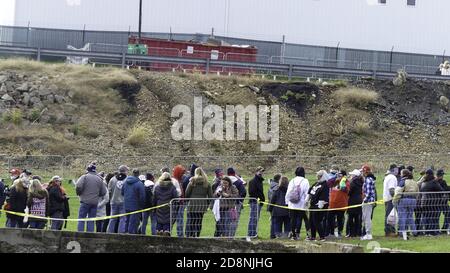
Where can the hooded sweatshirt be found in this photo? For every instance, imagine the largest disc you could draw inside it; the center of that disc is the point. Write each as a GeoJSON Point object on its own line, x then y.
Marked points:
{"type": "Point", "coordinates": [133, 192]}
{"type": "Point", "coordinates": [90, 188]}
{"type": "Point", "coordinates": [115, 189]}
{"type": "Point", "coordinates": [101, 207]}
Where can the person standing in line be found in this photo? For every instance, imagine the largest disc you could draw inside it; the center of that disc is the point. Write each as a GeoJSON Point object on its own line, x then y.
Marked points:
{"type": "Point", "coordinates": [133, 192]}
{"type": "Point", "coordinates": [57, 200]}
{"type": "Point", "coordinates": [256, 192]}
{"type": "Point", "coordinates": [280, 215]}
{"type": "Point", "coordinates": [369, 199]}
{"type": "Point", "coordinates": [117, 225]}
{"type": "Point", "coordinates": [389, 185]}
{"type": "Point", "coordinates": [90, 188]}
{"type": "Point", "coordinates": [296, 196]}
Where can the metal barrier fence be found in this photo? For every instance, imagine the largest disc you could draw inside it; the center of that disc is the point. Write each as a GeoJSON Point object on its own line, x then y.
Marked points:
{"type": "Point", "coordinates": [422, 213]}
{"type": "Point", "coordinates": [213, 217]}
{"type": "Point", "coordinates": [116, 42]}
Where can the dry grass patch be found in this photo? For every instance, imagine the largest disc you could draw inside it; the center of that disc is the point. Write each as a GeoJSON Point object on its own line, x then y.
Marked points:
{"type": "Point", "coordinates": [138, 135]}
{"type": "Point", "coordinates": [357, 97]}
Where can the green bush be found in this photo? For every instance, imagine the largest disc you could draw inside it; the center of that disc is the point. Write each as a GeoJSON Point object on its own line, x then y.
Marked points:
{"type": "Point", "coordinates": [16, 116]}
{"type": "Point", "coordinates": [35, 115]}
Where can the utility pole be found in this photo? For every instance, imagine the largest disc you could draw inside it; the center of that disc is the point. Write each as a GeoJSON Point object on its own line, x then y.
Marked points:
{"type": "Point", "coordinates": [140, 20]}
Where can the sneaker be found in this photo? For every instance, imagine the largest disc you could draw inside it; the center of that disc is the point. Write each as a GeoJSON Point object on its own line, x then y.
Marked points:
{"type": "Point", "coordinates": [248, 239]}
{"type": "Point", "coordinates": [448, 232]}
{"type": "Point", "coordinates": [336, 234]}
{"type": "Point", "coordinates": [322, 240]}
{"type": "Point", "coordinates": [159, 233]}
{"type": "Point", "coordinates": [166, 234]}
{"type": "Point", "coordinates": [309, 239]}
{"type": "Point", "coordinates": [405, 236]}
{"type": "Point", "coordinates": [366, 237]}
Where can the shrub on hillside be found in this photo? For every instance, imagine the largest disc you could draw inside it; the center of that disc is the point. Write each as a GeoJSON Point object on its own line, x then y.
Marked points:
{"type": "Point", "coordinates": [137, 135]}
{"type": "Point", "coordinates": [357, 97]}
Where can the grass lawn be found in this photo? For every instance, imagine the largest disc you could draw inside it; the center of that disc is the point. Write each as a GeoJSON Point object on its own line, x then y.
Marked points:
{"type": "Point", "coordinates": [420, 244]}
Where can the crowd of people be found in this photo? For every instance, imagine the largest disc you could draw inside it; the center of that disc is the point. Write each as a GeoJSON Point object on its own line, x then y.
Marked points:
{"type": "Point", "coordinates": [334, 201]}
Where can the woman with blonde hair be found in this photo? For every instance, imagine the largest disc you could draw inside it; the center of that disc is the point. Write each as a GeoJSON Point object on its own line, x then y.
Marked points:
{"type": "Point", "coordinates": [18, 202]}
{"type": "Point", "coordinates": [38, 204]}
{"type": "Point", "coordinates": [199, 190]}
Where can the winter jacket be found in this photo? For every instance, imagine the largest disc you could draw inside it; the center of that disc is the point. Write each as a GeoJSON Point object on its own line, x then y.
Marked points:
{"type": "Point", "coordinates": [319, 191]}
{"type": "Point", "coordinates": [164, 192]}
{"type": "Point", "coordinates": [339, 194]}
{"type": "Point", "coordinates": [355, 195]}
{"type": "Point", "coordinates": [17, 201]}
{"type": "Point", "coordinates": [279, 198]}
{"type": "Point", "coordinates": [407, 188]}
{"type": "Point", "coordinates": [115, 189]}
{"type": "Point", "coordinates": [256, 189]}
{"type": "Point", "coordinates": [303, 184]}
{"type": "Point", "coordinates": [133, 192]}
{"type": "Point", "coordinates": [431, 199]}
{"type": "Point", "coordinates": [90, 188]}
{"type": "Point", "coordinates": [38, 204]}
{"type": "Point", "coordinates": [196, 189]}
{"type": "Point", "coordinates": [56, 199]}
{"type": "Point", "coordinates": [445, 188]}
{"type": "Point", "coordinates": [225, 202]}
{"type": "Point", "coordinates": [101, 207]}
{"type": "Point", "coordinates": [273, 186]}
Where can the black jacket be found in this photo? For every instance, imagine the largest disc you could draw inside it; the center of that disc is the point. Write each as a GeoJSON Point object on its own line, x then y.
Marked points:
{"type": "Point", "coordinates": [319, 192]}
{"type": "Point", "coordinates": [56, 200]}
{"type": "Point", "coordinates": [256, 189]}
{"type": "Point", "coordinates": [2, 194]}
{"type": "Point", "coordinates": [355, 192]}
{"type": "Point", "coordinates": [279, 198]}
{"type": "Point", "coordinates": [17, 201]}
{"type": "Point", "coordinates": [433, 198]}
{"type": "Point", "coordinates": [186, 178]}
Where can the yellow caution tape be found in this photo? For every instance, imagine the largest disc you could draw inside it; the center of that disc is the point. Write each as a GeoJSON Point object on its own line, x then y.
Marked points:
{"type": "Point", "coordinates": [381, 202]}
{"type": "Point", "coordinates": [84, 219]}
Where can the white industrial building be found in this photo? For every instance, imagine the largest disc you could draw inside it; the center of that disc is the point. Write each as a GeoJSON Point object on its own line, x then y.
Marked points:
{"type": "Point", "coordinates": [403, 25]}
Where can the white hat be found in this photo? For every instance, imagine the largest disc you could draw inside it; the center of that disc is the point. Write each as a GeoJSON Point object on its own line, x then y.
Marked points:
{"type": "Point", "coordinates": [355, 173]}
{"type": "Point", "coordinates": [142, 177]}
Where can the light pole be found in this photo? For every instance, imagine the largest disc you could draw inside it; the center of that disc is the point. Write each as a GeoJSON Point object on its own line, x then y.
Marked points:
{"type": "Point", "coordinates": [140, 20]}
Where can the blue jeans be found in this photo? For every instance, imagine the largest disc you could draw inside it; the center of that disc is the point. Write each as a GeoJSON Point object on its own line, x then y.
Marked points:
{"type": "Point", "coordinates": [117, 209]}
{"type": "Point", "coordinates": [15, 222]}
{"type": "Point", "coordinates": [255, 213]}
{"type": "Point", "coordinates": [57, 224]}
{"type": "Point", "coordinates": [87, 211]}
{"type": "Point", "coordinates": [180, 221]}
{"type": "Point", "coordinates": [37, 224]}
{"type": "Point", "coordinates": [145, 216]}
{"type": "Point", "coordinates": [278, 222]}
{"type": "Point", "coordinates": [132, 223]}
{"type": "Point", "coordinates": [406, 207]}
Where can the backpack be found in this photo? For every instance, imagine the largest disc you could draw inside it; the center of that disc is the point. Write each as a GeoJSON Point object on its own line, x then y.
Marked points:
{"type": "Point", "coordinates": [294, 195]}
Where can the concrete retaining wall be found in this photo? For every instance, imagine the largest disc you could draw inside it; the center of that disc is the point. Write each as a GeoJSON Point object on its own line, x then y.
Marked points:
{"type": "Point", "coordinates": [42, 241]}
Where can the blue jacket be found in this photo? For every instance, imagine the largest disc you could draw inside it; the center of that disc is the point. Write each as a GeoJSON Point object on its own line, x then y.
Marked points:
{"type": "Point", "coordinates": [133, 192]}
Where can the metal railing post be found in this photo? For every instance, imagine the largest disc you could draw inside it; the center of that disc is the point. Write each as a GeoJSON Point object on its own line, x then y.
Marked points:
{"type": "Point", "coordinates": [207, 65]}
{"type": "Point", "coordinates": [290, 72]}
{"type": "Point", "coordinates": [38, 57]}
{"type": "Point", "coordinates": [124, 56]}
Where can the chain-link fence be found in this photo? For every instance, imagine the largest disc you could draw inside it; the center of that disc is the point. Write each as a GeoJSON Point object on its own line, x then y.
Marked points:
{"type": "Point", "coordinates": [71, 167]}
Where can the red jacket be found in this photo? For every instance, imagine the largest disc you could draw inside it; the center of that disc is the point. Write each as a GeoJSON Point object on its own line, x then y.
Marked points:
{"type": "Point", "coordinates": [339, 195]}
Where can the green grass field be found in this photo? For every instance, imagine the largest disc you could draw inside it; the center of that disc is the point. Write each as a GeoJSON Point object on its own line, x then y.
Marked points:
{"type": "Point", "coordinates": [420, 244]}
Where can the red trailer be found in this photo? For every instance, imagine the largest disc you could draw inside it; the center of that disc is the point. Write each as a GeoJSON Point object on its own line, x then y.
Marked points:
{"type": "Point", "coordinates": [213, 50]}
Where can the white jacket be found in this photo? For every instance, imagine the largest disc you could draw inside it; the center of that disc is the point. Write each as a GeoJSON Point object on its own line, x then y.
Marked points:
{"type": "Point", "coordinates": [304, 187]}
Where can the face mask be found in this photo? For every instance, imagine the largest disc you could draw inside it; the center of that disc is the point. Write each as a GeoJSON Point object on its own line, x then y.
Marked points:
{"type": "Point", "coordinates": [13, 178]}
